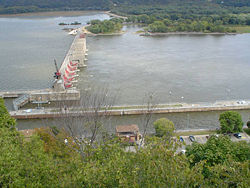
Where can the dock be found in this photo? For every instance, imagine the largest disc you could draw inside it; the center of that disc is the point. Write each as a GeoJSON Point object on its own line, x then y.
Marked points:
{"type": "Point", "coordinates": [64, 86]}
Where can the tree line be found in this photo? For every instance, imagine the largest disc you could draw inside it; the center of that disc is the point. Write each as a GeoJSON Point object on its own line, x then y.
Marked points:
{"type": "Point", "coordinates": [17, 6]}
{"type": "Point", "coordinates": [107, 26]}
{"type": "Point", "coordinates": [188, 17]}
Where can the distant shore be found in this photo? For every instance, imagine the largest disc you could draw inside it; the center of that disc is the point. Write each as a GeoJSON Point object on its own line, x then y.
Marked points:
{"type": "Point", "coordinates": [53, 13]}
{"type": "Point", "coordinates": [185, 33]}
{"type": "Point", "coordinates": [114, 15]}
{"type": "Point", "coordinates": [106, 34]}
{"type": "Point", "coordinates": [62, 13]}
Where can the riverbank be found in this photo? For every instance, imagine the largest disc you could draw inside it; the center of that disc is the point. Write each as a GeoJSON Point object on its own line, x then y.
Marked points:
{"type": "Point", "coordinates": [183, 33]}
{"type": "Point", "coordinates": [62, 13]}
{"type": "Point", "coordinates": [86, 31]}
{"type": "Point", "coordinates": [240, 29]}
{"type": "Point", "coordinates": [52, 14]}
{"type": "Point", "coordinates": [115, 15]}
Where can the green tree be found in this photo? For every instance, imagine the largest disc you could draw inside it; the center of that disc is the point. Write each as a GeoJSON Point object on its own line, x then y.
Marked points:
{"type": "Point", "coordinates": [158, 26]}
{"type": "Point", "coordinates": [230, 122]}
{"type": "Point", "coordinates": [164, 127]}
{"type": "Point", "coordinates": [106, 26]}
{"type": "Point", "coordinates": [156, 165]}
{"type": "Point", "coordinates": [248, 124]}
{"type": "Point", "coordinates": [230, 174]}
{"type": "Point", "coordinates": [3, 109]}
{"type": "Point", "coordinates": [94, 22]}
{"type": "Point", "coordinates": [5, 119]}
{"type": "Point", "coordinates": [217, 150]}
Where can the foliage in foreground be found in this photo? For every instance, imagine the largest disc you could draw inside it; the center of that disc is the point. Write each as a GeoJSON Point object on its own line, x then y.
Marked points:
{"type": "Point", "coordinates": [45, 160]}
{"type": "Point", "coordinates": [218, 150]}
{"type": "Point", "coordinates": [222, 160]}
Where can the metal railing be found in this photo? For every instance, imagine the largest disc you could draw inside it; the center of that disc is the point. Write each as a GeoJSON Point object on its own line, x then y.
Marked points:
{"type": "Point", "coordinates": [21, 101]}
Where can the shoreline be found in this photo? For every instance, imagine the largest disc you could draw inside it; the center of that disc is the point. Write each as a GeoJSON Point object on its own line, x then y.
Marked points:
{"type": "Point", "coordinates": [107, 34]}
{"type": "Point", "coordinates": [51, 13]}
{"type": "Point", "coordinates": [61, 13]}
{"type": "Point", "coordinates": [115, 15]}
{"type": "Point", "coordinates": [183, 33]}
{"type": "Point", "coordinates": [100, 34]}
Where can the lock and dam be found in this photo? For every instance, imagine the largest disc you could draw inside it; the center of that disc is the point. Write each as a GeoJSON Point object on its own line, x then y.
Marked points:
{"type": "Point", "coordinates": [65, 89]}
{"type": "Point", "coordinates": [64, 86]}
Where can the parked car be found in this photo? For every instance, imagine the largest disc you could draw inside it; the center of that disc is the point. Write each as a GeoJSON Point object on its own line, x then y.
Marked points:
{"type": "Point", "coordinates": [241, 102]}
{"type": "Point", "coordinates": [191, 138]}
{"type": "Point", "coordinates": [237, 135]}
{"type": "Point", "coordinates": [181, 139]}
{"type": "Point", "coordinates": [183, 151]}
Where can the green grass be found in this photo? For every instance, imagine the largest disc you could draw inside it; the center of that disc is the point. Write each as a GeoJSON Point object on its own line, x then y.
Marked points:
{"type": "Point", "coordinates": [247, 130]}
{"type": "Point", "coordinates": [241, 29]}
{"type": "Point", "coordinates": [198, 132]}
{"type": "Point", "coordinates": [143, 106]}
{"type": "Point", "coordinates": [136, 107]}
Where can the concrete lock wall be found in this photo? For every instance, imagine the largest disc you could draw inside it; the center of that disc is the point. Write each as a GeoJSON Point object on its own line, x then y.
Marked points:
{"type": "Point", "coordinates": [55, 96]}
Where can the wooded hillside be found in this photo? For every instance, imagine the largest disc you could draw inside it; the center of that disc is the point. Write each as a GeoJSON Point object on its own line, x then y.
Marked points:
{"type": "Point", "coordinates": [21, 6]}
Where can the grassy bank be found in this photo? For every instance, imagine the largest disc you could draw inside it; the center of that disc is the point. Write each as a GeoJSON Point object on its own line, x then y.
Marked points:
{"type": "Point", "coordinates": [241, 29]}
{"type": "Point", "coordinates": [247, 130]}
{"type": "Point", "coordinates": [194, 132]}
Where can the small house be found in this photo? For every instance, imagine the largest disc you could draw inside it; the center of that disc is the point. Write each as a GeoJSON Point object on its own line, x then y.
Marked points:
{"type": "Point", "coordinates": [128, 133]}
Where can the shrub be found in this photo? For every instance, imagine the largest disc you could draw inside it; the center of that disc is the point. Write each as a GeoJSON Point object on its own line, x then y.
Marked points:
{"type": "Point", "coordinates": [248, 124]}
{"type": "Point", "coordinates": [230, 122]}
{"type": "Point", "coordinates": [164, 127]}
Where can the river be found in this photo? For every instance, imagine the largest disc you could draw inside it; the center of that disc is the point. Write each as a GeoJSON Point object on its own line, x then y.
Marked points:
{"type": "Point", "coordinates": [182, 121]}
{"type": "Point", "coordinates": [29, 44]}
{"type": "Point", "coordinates": [176, 68]}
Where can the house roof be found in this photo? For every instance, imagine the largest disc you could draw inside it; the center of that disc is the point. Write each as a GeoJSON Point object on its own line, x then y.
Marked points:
{"type": "Point", "coordinates": [126, 128]}
{"type": "Point", "coordinates": [27, 132]}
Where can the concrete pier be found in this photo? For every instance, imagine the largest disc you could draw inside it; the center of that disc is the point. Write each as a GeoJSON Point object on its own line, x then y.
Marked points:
{"type": "Point", "coordinates": [76, 52]}
{"type": "Point", "coordinates": [131, 110]}
{"type": "Point", "coordinates": [74, 59]}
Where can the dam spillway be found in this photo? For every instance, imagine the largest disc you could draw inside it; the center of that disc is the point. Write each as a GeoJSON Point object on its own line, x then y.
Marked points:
{"type": "Point", "coordinates": [73, 61]}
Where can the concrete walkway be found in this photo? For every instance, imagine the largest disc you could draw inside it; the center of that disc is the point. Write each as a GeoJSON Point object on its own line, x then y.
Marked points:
{"type": "Point", "coordinates": [131, 110]}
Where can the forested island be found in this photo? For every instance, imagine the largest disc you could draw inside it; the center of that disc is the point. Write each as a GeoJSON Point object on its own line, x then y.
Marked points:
{"type": "Point", "coordinates": [111, 26]}
{"type": "Point", "coordinates": [189, 17]}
